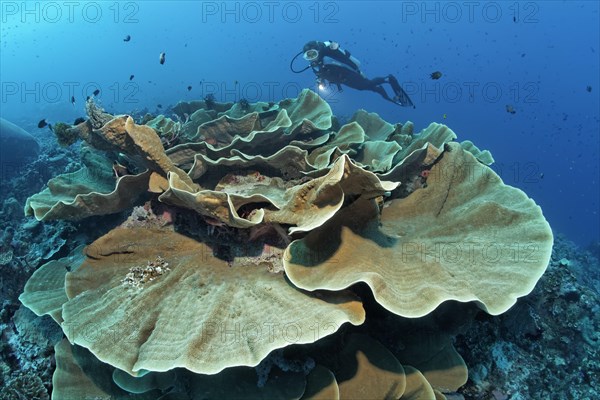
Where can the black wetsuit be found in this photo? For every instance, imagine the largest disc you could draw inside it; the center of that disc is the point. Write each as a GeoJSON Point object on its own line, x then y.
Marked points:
{"type": "Point", "coordinates": [349, 74]}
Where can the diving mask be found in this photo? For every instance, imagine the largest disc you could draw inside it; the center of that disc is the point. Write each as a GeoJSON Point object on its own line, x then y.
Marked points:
{"type": "Point", "coordinates": [311, 55]}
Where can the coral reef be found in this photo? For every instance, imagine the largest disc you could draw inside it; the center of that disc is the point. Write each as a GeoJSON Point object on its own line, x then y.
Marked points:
{"type": "Point", "coordinates": [65, 136]}
{"type": "Point", "coordinates": [25, 387]}
{"type": "Point", "coordinates": [338, 260]}
{"type": "Point", "coordinates": [547, 345]}
{"type": "Point", "coordinates": [26, 354]}
{"type": "Point", "coordinates": [31, 342]}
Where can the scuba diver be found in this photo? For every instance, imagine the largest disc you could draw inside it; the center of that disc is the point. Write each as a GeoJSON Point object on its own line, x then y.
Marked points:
{"type": "Point", "coordinates": [345, 70]}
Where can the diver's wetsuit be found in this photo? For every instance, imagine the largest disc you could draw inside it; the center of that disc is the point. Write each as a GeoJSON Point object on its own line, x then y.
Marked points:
{"type": "Point", "coordinates": [340, 75]}
{"type": "Point", "coordinates": [349, 73]}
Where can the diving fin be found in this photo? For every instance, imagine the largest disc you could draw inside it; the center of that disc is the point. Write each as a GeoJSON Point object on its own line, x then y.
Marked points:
{"type": "Point", "coordinates": [401, 95]}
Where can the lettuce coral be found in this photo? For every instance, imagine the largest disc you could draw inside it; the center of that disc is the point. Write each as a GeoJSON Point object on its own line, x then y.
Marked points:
{"type": "Point", "coordinates": [451, 240]}
{"type": "Point", "coordinates": [276, 217]}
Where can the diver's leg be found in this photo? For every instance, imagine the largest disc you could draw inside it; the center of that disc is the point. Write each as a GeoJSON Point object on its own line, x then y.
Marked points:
{"type": "Point", "coordinates": [374, 85]}
{"type": "Point", "coordinates": [379, 89]}
{"type": "Point", "coordinates": [378, 80]}
{"type": "Point", "coordinates": [391, 79]}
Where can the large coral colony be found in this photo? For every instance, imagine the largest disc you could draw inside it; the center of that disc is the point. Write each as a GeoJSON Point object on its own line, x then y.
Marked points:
{"type": "Point", "coordinates": [266, 250]}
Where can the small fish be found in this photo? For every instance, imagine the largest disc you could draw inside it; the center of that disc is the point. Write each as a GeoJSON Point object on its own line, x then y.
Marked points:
{"type": "Point", "coordinates": [131, 77]}
{"type": "Point", "coordinates": [127, 38]}
{"type": "Point", "coordinates": [445, 116]}
{"type": "Point", "coordinates": [542, 175]}
{"type": "Point", "coordinates": [436, 75]}
{"type": "Point", "coordinates": [514, 18]}
{"type": "Point", "coordinates": [189, 88]}
{"type": "Point", "coordinates": [73, 100]}
{"type": "Point", "coordinates": [159, 106]}
{"type": "Point", "coordinates": [235, 83]}
{"type": "Point", "coordinates": [79, 121]}
{"type": "Point", "coordinates": [510, 109]}
{"type": "Point", "coordinates": [589, 89]}
{"type": "Point", "coordinates": [50, 127]}
{"type": "Point", "coordinates": [42, 123]}
{"type": "Point", "coordinates": [161, 58]}
{"type": "Point", "coordinates": [96, 92]}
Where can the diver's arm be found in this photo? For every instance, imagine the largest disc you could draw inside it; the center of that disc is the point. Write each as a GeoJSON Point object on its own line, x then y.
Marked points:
{"type": "Point", "coordinates": [333, 50]}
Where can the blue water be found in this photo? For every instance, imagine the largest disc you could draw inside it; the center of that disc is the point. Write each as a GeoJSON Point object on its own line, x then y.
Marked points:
{"type": "Point", "coordinates": [538, 57]}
